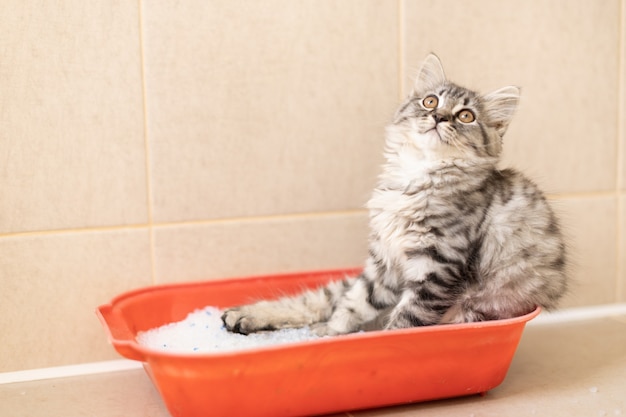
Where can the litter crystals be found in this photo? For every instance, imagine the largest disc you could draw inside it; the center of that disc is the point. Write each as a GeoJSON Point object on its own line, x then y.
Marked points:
{"type": "Point", "coordinates": [203, 332]}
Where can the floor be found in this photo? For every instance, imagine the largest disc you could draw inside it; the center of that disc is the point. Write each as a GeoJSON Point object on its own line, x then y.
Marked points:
{"type": "Point", "coordinates": [569, 369]}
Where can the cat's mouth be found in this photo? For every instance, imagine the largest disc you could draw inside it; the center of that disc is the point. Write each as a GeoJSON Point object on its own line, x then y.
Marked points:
{"type": "Point", "coordinates": [434, 131]}
{"type": "Point", "coordinates": [427, 127]}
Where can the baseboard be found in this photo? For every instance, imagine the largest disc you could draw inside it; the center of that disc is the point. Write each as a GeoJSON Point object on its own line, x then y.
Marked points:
{"type": "Point", "coordinates": [69, 371]}
{"type": "Point", "coordinates": [579, 313]}
{"type": "Point", "coordinates": [562, 316]}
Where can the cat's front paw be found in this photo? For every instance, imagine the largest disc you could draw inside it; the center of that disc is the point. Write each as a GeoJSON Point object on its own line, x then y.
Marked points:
{"type": "Point", "coordinates": [241, 320]}
{"type": "Point", "coordinates": [322, 329]}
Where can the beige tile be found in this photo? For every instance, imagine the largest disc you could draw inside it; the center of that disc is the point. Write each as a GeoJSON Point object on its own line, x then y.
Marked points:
{"type": "Point", "coordinates": [564, 55]}
{"type": "Point", "coordinates": [622, 112]}
{"type": "Point", "coordinates": [72, 152]}
{"type": "Point", "coordinates": [51, 286]}
{"type": "Point", "coordinates": [591, 226]}
{"type": "Point", "coordinates": [276, 107]}
{"type": "Point", "coordinates": [242, 248]}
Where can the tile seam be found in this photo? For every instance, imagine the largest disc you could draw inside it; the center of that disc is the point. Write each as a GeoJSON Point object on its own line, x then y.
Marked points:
{"type": "Point", "coordinates": [621, 143]}
{"type": "Point", "coordinates": [272, 217]}
{"type": "Point", "coordinates": [269, 217]}
{"type": "Point", "coordinates": [401, 49]}
{"type": "Point", "coordinates": [580, 195]}
{"type": "Point", "coordinates": [176, 223]}
{"type": "Point", "coordinates": [148, 172]}
{"type": "Point", "coordinates": [260, 219]}
{"type": "Point", "coordinates": [77, 230]}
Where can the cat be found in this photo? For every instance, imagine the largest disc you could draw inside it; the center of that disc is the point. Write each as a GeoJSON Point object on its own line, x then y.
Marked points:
{"type": "Point", "coordinates": [453, 238]}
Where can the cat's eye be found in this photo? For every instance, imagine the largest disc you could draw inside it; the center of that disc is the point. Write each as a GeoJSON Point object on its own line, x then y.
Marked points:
{"type": "Point", "coordinates": [466, 116]}
{"type": "Point", "coordinates": [430, 102]}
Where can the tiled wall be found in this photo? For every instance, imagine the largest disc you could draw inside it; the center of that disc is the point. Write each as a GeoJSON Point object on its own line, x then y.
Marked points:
{"type": "Point", "coordinates": [145, 142]}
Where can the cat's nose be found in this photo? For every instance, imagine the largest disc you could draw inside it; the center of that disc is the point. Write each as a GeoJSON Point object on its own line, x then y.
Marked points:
{"type": "Point", "coordinates": [440, 118]}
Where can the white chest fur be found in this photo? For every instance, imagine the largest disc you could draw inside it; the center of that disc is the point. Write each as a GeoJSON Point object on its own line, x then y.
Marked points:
{"type": "Point", "coordinates": [394, 221]}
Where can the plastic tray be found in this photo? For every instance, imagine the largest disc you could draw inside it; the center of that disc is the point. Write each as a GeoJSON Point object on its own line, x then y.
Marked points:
{"type": "Point", "coordinates": [356, 371]}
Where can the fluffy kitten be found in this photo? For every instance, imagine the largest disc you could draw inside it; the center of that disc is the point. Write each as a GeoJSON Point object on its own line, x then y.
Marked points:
{"type": "Point", "coordinates": [453, 238]}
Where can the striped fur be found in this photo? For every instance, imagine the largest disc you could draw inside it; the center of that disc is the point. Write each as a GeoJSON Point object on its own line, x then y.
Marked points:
{"type": "Point", "coordinates": [452, 237]}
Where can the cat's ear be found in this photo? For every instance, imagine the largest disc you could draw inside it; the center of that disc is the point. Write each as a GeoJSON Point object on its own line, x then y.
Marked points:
{"type": "Point", "coordinates": [500, 105]}
{"type": "Point", "coordinates": [431, 74]}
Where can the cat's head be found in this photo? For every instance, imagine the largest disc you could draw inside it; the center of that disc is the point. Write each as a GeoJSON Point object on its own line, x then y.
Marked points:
{"type": "Point", "coordinates": [446, 120]}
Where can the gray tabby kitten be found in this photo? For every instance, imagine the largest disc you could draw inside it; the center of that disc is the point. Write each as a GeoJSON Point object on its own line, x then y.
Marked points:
{"type": "Point", "coordinates": [453, 238]}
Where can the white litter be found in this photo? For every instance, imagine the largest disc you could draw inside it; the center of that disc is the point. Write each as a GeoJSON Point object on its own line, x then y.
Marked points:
{"type": "Point", "coordinates": [203, 332]}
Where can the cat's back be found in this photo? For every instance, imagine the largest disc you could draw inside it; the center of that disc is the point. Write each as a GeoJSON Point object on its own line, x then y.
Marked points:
{"type": "Point", "coordinates": [516, 199]}
{"type": "Point", "coordinates": [520, 227]}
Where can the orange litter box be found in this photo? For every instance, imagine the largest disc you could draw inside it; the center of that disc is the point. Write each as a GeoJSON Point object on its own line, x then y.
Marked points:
{"type": "Point", "coordinates": [340, 373]}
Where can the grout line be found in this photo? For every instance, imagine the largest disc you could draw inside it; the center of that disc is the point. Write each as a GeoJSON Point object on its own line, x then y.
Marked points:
{"type": "Point", "coordinates": [148, 159]}
{"type": "Point", "coordinates": [151, 226]}
{"type": "Point", "coordinates": [620, 279]}
{"type": "Point", "coordinates": [578, 195]}
{"type": "Point", "coordinates": [401, 49]}
{"type": "Point", "coordinates": [38, 233]}
{"type": "Point", "coordinates": [571, 315]}
{"type": "Point", "coordinates": [621, 104]}
{"type": "Point", "coordinates": [253, 219]}
{"type": "Point", "coordinates": [271, 217]}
